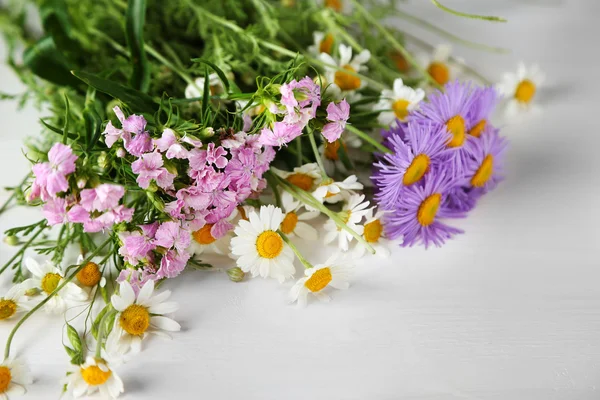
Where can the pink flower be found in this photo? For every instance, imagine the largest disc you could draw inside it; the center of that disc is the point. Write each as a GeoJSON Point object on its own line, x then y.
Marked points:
{"type": "Point", "coordinates": [221, 228]}
{"type": "Point", "coordinates": [172, 235]}
{"type": "Point", "coordinates": [113, 134]}
{"type": "Point", "coordinates": [281, 134]}
{"type": "Point", "coordinates": [339, 115]}
{"type": "Point", "coordinates": [150, 167]}
{"type": "Point", "coordinates": [103, 197]}
{"type": "Point", "coordinates": [172, 264]}
{"type": "Point", "coordinates": [200, 158]}
{"type": "Point", "coordinates": [55, 211]}
{"type": "Point", "coordinates": [134, 123]}
{"type": "Point", "coordinates": [140, 144]}
{"type": "Point", "coordinates": [107, 219]}
{"type": "Point", "coordinates": [170, 144]}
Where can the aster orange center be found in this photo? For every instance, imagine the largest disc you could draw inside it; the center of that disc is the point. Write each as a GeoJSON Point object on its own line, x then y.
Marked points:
{"type": "Point", "coordinates": [89, 275]}
{"type": "Point", "coordinates": [478, 128]}
{"type": "Point", "coordinates": [347, 81]}
{"type": "Point", "coordinates": [400, 108]}
{"type": "Point", "coordinates": [8, 308]}
{"type": "Point", "coordinates": [415, 171]}
{"type": "Point", "coordinates": [303, 181]}
{"type": "Point", "coordinates": [373, 231]}
{"type": "Point", "coordinates": [319, 280]}
{"type": "Point", "coordinates": [525, 91]}
{"type": "Point", "coordinates": [439, 72]}
{"type": "Point", "coordinates": [456, 126]}
{"type": "Point", "coordinates": [326, 44]}
{"type": "Point", "coordinates": [135, 320]}
{"type": "Point", "coordinates": [484, 173]}
{"type": "Point", "coordinates": [289, 223]}
{"type": "Point", "coordinates": [269, 244]}
{"type": "Point", "coordinates": [428, 209]}
{"type": "Point", "coordinates": [94, 376]}
{"type": "Point", "coordinates": [203, 235]}
{"type": "Point", "coordinates": [5, 378]}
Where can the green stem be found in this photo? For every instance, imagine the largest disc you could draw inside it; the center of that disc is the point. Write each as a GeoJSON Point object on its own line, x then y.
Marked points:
{"type": "Point", "coordinates": [101, 331]}
{"type": "Point", "coordinates": [395, 44]}
{"type": "Point", "coordinates": [64, 282]}
{"type": "Point", "coordinates": [299, 150]}
{"type": "Point", "coordinates": [25, 246]}
{"type": "Point", "coordinates": [368, 139]}
{"type": "Point", "coordinates": [13, 195]}
{"type": "Point", "coordinates": [313, 144]}
{"type": "Point", "coordinates": [303, 260]}
{"type": "Point", "coordinates": [462, 14]}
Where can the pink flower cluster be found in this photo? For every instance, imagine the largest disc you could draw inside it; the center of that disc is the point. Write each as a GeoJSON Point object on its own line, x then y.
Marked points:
{"type": "Point", "coordinates": [299, 103]}
{"type": "Point", "coordinates": [97, 208]}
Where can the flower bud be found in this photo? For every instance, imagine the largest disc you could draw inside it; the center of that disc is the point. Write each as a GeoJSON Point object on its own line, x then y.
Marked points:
{"type": "Point", "coordinates": [11, 240]}
{"type": "Point", "coordinates": [206, 133]}
{"type": "Point", "coordinates": [103, 160]}
{"type": "Point", "coordinates": [81, 182]}
{"type": "Point", "coordinates": [236, 274]}
{"type": "Point", "coordinates": [32, 292]}
{"type": "Point", "coordinates": [121, 152]}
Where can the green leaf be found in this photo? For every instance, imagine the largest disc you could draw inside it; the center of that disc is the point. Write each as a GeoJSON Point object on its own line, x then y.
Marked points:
{"type": "Point", "coordinates": [134, 33]}
{"type": "Point", "coordinates": [74, 338]}
{"type": "Point", "coordinates": [54, 129]}
{"type": "Point", "coordinates": [91, 120]}
{"type": "Point", "coordinates": [55, 20]}
{"type": "Point", "coordinates": [218, 70]}
{"type": "Point", "coordinates": [206, 92]}
{"type": "Point", "coordinates": [138, 101]}
{"type": "Point", "coordinates": [45, 61]}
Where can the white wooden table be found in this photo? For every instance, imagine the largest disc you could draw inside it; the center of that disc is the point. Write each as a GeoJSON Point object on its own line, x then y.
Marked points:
{"type": "Point", "coordinates": [511, 310]}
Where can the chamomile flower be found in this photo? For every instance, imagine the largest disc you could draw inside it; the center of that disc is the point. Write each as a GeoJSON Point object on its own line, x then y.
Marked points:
{"type": "Point", "coordinates": [307, 177]}
{"type": "Point", "coordinates": [347, 83]}
{"type": "Point", "coordinates": [332, 192]}
{"type": "Point", "coordinates": [258, 247]}
{"type": "Point", "coordinates": [13, 302]}
{"type": "Point", "coordinates": [352, 213]}
{"type": "Point", "coordinates": [139, 316]}
{"type": "Point", "coordinates": [94, 375]}
{"type": "Point", "coordinates": [47, 278]}
{"type": "Point", "coordinates": [331, 274]}
{"type": "Point", "coordinates": [90, 276]}
{"type": "Point", "coordinates": [323, 43]}
{"type": "Point", "coordinates": [374, 234]}
{"type": "Point", "coordinates": [439, 65]}
{"type": "Point", "coordinates": [14, 375]}
{"type": "Point", "coordinates": [204, 240]}
{"type": "Point", "coordinates": [520, 89]}
{"type": "Point", "coordinates": [397, 104]}
{"type": "Point", "coordinates": [293, 221]}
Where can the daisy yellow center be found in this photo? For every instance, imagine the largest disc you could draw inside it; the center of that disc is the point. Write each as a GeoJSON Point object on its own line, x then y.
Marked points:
{"type": "Point", "coordinates": [456, 126]}
{"type": "Point", "coordinates": [415, 171]}
{"type": "Point", "coordinates": [289, 223]}
{"type": "Point", "coordinates": [439, 72]}
{"type": "Point", "coordinates": [8, 308]}
{"type": "Point", "coordinates": [331, 150]}
{"type": "Point", "coordinates": [484, 172]}
{"type": "Point", "coordinates": [269, 244]}
{"type": "Point", "coordinates": [5, 378]}
{"type": "Point", "coordinates": [400, 108]}
{"type": "Point", "coordinates": [335, 5]}
{"type": "Point", "coordinates": [373, 231]}
{"type": "Point", "coordinates": [326, 44]}
{"type": "Point", "coordinates": [347, 81]}
{"type": "Point", "coordinates": [94, 376]}
{"type": "Point", "coordinates": [89, 275]}
{"type": "Point", "coordinates": [319, 280]}
{"type": "Point", "coordinates": [50, 282]}
{"type": "Point", "coordinates": [400, 62]}
{"type": "Point", "coordinates": [203, 235]}
{"type": "Point", "coordinates": [135, 319]}
{"type": "Point", "coordinates": [525, 91]}
{"type": "Point", "coordinates": [303, 181]}
{"type": "Point", "coordinates": [428, 209]}
{"type": "Point", "coordinates": [478, 128]}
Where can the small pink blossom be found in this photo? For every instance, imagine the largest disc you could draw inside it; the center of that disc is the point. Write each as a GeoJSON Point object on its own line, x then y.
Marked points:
{"type": "Point", "coordinates": [140, 144]}
{"type": "Point", "coordinates": [150, 167]}
{"type": "Point", "coordinates": [135, 124]}
{"type": "Point", "coordinates": [211, 156]}
{"type": "Point", "coordinates": [103, 197]}
{"type": "Point", "coordinates": [281, 134]}
{"type": "Point", "coordinates": [221, 228]}
{"type": "Point", "coordinates": [172, 264]}
{"type": "Point", "coordinates": [338, 115]}
{"type": "Point", "coordinates": [172, 235]}
{"type": "Point", "coordinates": [169, 143]}
{"type": "Point", "coordinates": [55, 211]}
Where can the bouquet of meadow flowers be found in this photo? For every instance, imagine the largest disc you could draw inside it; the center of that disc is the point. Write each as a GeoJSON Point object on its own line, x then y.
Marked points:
{"type": "Point", "coordinates": [186, 129]}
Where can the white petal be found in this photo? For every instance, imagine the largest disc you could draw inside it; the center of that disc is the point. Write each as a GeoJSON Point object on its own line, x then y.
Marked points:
{"type": "Point", "coordinates": [164, 308]}
{"type": "Point", "coordinates": [145, 293]}
{"type": "Point", "coordinates": [126, 292]}
{"type": "Point", "coordinates": [165, 323]}
{"type": "Point", "coordinates": [305, 231]}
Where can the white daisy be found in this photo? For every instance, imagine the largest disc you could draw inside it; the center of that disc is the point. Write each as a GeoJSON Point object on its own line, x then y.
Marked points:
{"type": "Point", "coordinates": [343, 81]}
{"type": "Point", "coordinates": [92, 376]}
{"type": "Point", "coordinates": [203, 241]}
{"type": "Point", "coordinates": [352, 213]}
{"type": "Point", "coordinates": [195, 90]}
{"type": "Point", "coordinates": [293, 221]}
{"type": "Point", "coordinates": [138, 317]}
{"type": "Point", "coordinates": [331, 274]}
{"type": "Point", "coordinates": [398, 103]}
{"type": "Point", "coordinates": [323, 43]}
{"type": "Point", "coordinates": [14, 302]}
{"type": "Point", "coordinates": [332, 192]}
{"type": "Point", "coordinates": [439, 65]}
{"type": "Point", "coordinates": [14, 375]}
{"type": "Point", "coordinates": [307, 177]}
{"type": "Point", "coordinates": [260, 249]}
{"type": "Point", "coordinates": [373, 234]}
{"type": "Point", "coordinates": [520, 88]}
{"type": "Point", "coordinates": [47, 278]}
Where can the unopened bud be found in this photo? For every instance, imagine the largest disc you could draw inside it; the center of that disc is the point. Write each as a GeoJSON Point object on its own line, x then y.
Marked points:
{"type": "Point", "coordinates": [121, 152]}
{"type": "Point", "coordinates": [11, 240]}
{"type": "Point", "coordinates": [236, 274]}
{"type": "Point", "coordinates": [207, 132]}
{"type": "Point", "coordinates": [103, 160]}
{"type": "Point", "coordinates": [32, 292]}
{"type": "Point", "coordinates": [81, 182]}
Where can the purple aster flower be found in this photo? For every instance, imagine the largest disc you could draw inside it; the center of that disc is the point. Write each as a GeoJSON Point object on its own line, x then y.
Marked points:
{"type": "Point", "coordinates": [281, 134]}
{"type": "Point", "coordinates": [417, 214]}
{"type": "Point", "coordinates": [484, 169]}
{"type": "Point", "coordinates": [338, 115]}
{"type": "Point", "coordinates": [485, 100]}
{"type": "Point", "coordinates": [462, 198]}
{"type": "Point", "coordinates": [103, 197]}
{"type": "Point", "coordinates": [423, 147]}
